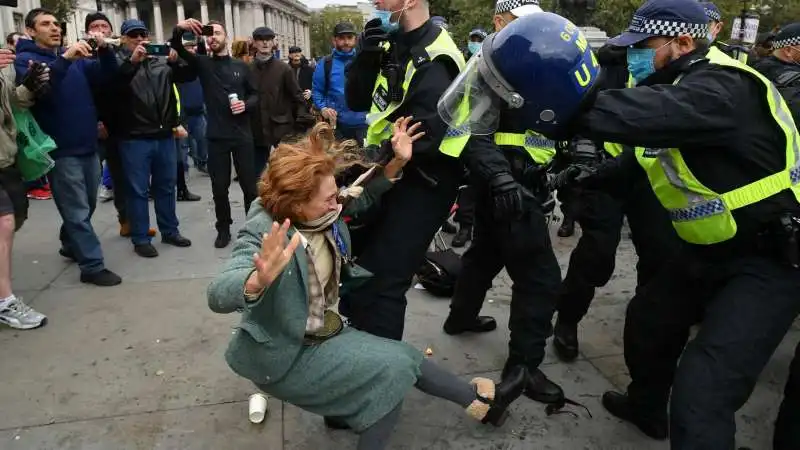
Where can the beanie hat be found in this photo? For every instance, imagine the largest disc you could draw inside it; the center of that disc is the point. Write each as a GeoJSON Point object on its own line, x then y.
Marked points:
{"type": "Point", "coordinates": [97, 15]}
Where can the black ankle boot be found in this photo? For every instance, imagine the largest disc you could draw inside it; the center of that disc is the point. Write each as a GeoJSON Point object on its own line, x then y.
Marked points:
{"type": "Point", "coordinates": [493, 400]}
{"type": "Point", "coordinates": [480, 324]}
{"type": "Point", "coordinates": [565, 341]}
{"type": "Point", "coordinates": [567, 228]}
{"type": "Point", "coordinates": [461, 238]}
{"type": "Point", "coordinates": [651, 423]}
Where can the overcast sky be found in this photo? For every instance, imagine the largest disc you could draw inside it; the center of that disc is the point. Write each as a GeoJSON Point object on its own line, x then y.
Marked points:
{"type": "Point", "coordinates": [322, 3]}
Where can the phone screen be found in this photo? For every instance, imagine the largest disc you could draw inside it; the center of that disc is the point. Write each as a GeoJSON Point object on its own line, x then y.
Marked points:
{"type": "Point", "coordinates": [208, 30]}
{"type": "Point", "coordinates": [157, 49]}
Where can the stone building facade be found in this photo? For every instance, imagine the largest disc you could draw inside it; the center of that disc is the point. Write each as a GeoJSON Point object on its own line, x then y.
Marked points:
{"type": "Point", "coordinates": [288, 18]}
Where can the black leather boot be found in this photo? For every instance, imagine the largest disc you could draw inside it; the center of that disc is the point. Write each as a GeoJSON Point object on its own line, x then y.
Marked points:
{"type": "Point", "coordinates": [481, 324]}
{"type": "Point", "coordinates": [652, 423]}
{"type": "Point", "coordinates": [493, 400]}
{"type": "Point", "coordinates": [565, 341]}
{"type": "Point", "coordinates": [567, 228]}
{"type": "Point", "coordinates": [461, 238]}
{"type": "Point", "coordinates": [538, 387]}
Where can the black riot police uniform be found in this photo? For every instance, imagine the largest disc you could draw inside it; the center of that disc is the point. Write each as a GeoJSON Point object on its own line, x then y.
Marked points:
{"type": "Point", "coordinates": [600, 212]}
{"type": "Point", "coordinates": [724, 283]}
{"type": "Point", "coordinates": [786, 76]}
{"type": "Point", "coordinates": [393, 245]}
{"type": "Point", "coordinates": [510, 231]}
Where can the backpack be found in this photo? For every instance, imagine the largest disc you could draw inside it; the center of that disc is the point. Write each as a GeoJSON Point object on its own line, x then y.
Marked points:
{"type": "Point", "coordinates": [327, 67]}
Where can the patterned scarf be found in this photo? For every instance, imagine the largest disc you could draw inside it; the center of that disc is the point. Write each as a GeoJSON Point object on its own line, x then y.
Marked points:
{"type": "Point", "coordinates": [321, 297]}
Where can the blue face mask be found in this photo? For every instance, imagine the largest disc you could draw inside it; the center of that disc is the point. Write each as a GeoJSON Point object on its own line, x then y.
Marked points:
{"type": "Point", "coordinates": [474, 47]}
{"type": "Point", "coordinates": [641, 63]}
{"type": "Point", "coordinates": [710, 37]}
{"type": "Point", "coordinates": [386, 21]}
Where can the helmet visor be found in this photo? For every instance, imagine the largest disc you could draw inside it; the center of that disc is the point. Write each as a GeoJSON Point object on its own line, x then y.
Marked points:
{"type": "Point", "coordinates": [470, 105]}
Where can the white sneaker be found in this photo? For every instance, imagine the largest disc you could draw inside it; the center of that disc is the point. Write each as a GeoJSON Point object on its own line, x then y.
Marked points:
{"type": "Point", "coordinates": [17, 314]}
{"type": "Point", "coordinates": [105, 194]}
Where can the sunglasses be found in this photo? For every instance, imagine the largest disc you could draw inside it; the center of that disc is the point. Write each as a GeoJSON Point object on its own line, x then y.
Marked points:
{"type": "Point", "coordinates": [137, 34]}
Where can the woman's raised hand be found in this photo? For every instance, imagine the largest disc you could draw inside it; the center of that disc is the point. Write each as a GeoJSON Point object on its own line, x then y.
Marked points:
{"type": "Point", "coordinates": [275, 254]}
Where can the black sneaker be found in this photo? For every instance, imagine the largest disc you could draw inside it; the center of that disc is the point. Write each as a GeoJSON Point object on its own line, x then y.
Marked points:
{"type": "Point", "coordinates": [103, 278]}
{"type": "Point", "coordinates": [145, 250]}
{"type": "Point", "coordinates": [186, 196]}
{"type": "Point", "coordinates": [177, 240]}
{"type": "Point", "coordinates": [223, 239]}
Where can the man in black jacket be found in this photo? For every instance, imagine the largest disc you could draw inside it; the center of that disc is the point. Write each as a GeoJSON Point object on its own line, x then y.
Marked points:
{"type": "Point", "coordinates": [147, 114]}
{"type": "Point", "coordinates": [229, 98]}
{"type": "Point", "coordinates": [303, 73]}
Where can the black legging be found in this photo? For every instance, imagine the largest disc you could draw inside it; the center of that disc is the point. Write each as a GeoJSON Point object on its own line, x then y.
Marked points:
{"type": "Point", "coordinates": [433, 381]}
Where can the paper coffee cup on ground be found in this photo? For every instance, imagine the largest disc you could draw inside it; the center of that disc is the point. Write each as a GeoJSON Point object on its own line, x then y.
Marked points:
{"type": "Point", "coordinates": [258, 408]}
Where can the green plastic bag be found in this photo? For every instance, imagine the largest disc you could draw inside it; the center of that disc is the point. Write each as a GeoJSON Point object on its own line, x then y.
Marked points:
{"type": "Point", "coordinates": [33, 147]}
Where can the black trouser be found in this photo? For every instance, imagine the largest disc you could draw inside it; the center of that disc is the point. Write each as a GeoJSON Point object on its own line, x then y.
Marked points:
{"type": "Point", "coordinates": [787, 427]}
{"type": "Point", "coordinates": [118, 179]}
{"type": "Point", "coordinates": [591, 263]}
{"type": "Point", "coordinates": [523, 247]}
{"type": "Point", "coordinates": [465, 214]}
{"type": "Point", "coordinates": [747, 303]}
{"type": "Point", "coordinates": [261, 157]}
{"type": "Point", "coordinates": [219, 169]}
{"type": "Point", "coordinates": [393, 248]}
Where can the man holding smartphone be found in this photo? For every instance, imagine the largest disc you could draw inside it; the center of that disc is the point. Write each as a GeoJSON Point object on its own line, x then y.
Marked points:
{"type": "Point", "coordinates": [147, 114]}
{"type": "Point", "coordinates": [229, 98]}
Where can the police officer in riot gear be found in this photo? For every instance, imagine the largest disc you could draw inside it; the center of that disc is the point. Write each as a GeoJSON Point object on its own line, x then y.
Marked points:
{"type": "Point", "coordinates": [733, 202]}
{"type": "Point", "coordinates": [410, 62]}
{"type": "Point", "coordinates": [508, 171]}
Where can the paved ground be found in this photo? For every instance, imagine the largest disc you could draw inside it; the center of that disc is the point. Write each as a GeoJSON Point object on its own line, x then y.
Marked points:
{"type": "Point", "coordinates": [140, 366]}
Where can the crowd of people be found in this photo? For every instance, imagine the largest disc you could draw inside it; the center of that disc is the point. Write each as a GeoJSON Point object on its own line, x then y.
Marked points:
{"type": "Point", "coordinates": [403, 122]}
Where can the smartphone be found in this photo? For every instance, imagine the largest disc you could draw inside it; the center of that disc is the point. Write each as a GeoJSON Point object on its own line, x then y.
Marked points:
{"type": "Point", "coordinates": [208, 30]}
{"type": "Point", "coordinates": [157, 49]}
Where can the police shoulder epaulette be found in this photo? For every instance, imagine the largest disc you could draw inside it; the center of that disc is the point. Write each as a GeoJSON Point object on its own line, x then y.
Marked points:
{"type": "Point", "coordinates": [419, 56]}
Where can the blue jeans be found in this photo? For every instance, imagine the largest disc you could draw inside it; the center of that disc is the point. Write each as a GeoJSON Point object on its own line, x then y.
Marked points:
{"type": "Point", "coordinates": [150, 164]}
{"type": "Point", "coordinates": [74, 181]}
{"type": "Point", "coordinates": [196, 126]}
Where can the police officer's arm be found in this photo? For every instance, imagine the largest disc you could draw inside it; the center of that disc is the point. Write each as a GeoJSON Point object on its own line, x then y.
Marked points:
{"type": "Point", "coordinates": [361, 76]}
{"type": "Point", "coordinates": [430, 82]}
{"type": "Point", "coordinates": [696, 112]}
{"type": "Point", "coordinates": [483, 159]}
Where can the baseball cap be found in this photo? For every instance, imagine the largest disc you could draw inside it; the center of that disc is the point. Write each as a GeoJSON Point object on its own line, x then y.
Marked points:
{"type": "Point", "coordinates": [712, 12]}
{"type": "Point", "coordinates": [788, 36]}
{"type": "Point", "coordinates": [263, 33]}
{"type": "Point", "coordinates": [132, 25]}
{"type": "Point", "coordinates": [344, 28]}
{"type": "Point", "coordinates": [519, 8]}
{"type": "Point", "coordinates": [664, 18]}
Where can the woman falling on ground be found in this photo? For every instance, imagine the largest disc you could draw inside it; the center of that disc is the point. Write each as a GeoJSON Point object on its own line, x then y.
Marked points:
{"type": "Point", "coordinates": [290, 262]}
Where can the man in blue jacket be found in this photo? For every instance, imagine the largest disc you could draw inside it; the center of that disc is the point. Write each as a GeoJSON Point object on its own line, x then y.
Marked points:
{"type": "Point", "coordinates": [67, 113]}
{"type": "Point", "coordinates": [328, 86]}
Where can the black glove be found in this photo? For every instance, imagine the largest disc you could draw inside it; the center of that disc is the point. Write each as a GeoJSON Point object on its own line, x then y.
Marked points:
{"type": "Point", "coordinates": [34, 79]}
{"type": "Point", "coordinates": [372, 37]}
{"type": "Point", "coordinates": [507, 195]}
{"type": "Point", "coordinates": [575, 173]}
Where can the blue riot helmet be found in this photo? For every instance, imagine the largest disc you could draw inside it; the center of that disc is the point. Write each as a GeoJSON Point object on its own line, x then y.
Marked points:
{"type": "Point", "coordinates": [540, 64]}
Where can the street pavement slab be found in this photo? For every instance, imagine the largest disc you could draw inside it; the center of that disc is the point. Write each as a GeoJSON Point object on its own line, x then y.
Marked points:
{"type": "Point", "coordinates": [141, 365]}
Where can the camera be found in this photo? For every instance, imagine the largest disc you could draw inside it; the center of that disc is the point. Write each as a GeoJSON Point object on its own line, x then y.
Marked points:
{"type": "Point", "coordinates": [92, 43]}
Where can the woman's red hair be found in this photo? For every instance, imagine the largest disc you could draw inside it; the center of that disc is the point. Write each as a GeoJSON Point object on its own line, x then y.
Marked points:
{"type": "Point", "coordinates": [295, 171]}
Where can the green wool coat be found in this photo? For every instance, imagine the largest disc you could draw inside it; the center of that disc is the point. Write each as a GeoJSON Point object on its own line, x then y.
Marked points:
{"type": "Point", "coordinates": [355, 376]}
